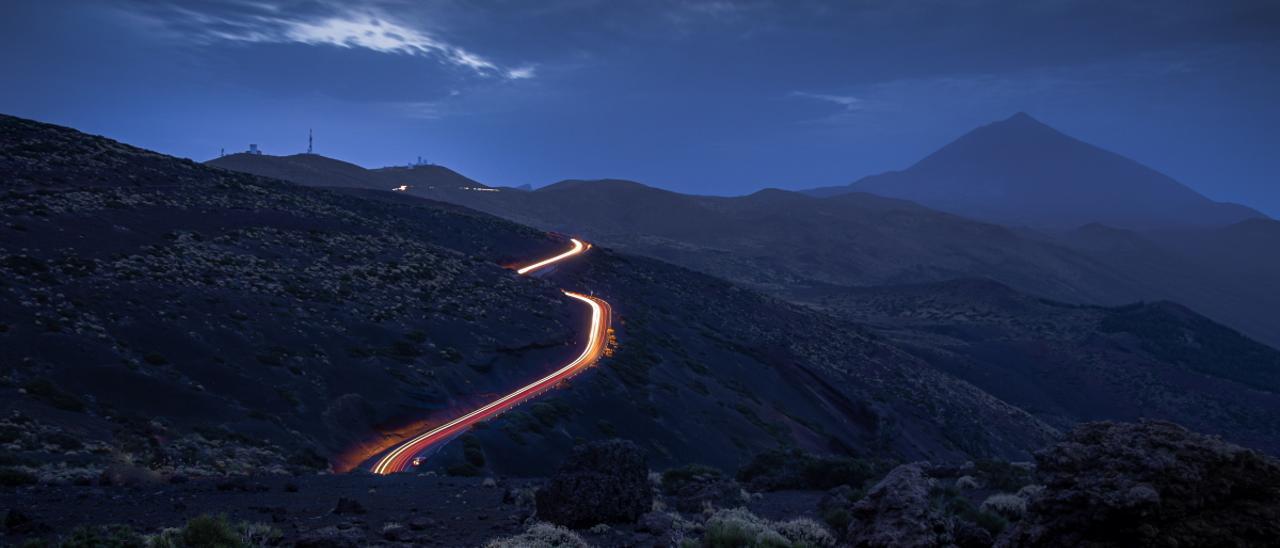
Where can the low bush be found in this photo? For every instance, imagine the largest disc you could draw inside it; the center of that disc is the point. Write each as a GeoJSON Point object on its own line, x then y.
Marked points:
{"type": "Point", "coordinates": [541, 535]}
{"type": "Point", "coordinates": [106, 536]}
{"type": "Point", "coordinates": [738, 528]}
{"type": "Point", "coordinates": [794, 469]}
{"type": "Point", "coordinates": [47, 392]}
{"type": "Point", "coordinates": [675, 478]}
{"type": "Point", "coordinates": [1009, 506]}
{"type": "Point", "coordinates": [1003, 476]}
{"type": "Point", "coordinates": [951, 502]}
{"type": "Point", "coordinates": [208, 531]}
{"type": "Point", "coordinates": [211, 531]}
{"type": "Point", "coordinates": [13, 477]}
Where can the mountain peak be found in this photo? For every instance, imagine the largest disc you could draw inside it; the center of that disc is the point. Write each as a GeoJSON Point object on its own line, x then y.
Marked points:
{"type": "Point", "coordinates": [1021, 117]}
{"type": "Point", "coordinates": [1019, 126]}
{"type": "Point", "coordinates": [1020, 171]}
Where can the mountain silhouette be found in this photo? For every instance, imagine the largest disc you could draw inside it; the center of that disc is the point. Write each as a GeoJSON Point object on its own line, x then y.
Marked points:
{"type": "Point", "coordinates": [1019, 171]}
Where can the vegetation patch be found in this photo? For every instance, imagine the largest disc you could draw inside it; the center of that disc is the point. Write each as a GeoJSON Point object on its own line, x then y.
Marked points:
{"type": "Point", "coordinates": [795, 469]}
{"type": "Point", "coordinates": [47, 392]}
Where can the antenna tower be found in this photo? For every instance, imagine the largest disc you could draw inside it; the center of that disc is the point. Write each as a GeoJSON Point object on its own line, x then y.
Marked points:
{"type": "Point", "coordinates": [309, 141]}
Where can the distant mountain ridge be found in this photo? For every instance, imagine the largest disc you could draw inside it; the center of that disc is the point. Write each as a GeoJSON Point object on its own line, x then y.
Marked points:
{"type": "Point", "coordinates": [787, 242]}
{"type": "Point", "coordinates": [1019, 171]}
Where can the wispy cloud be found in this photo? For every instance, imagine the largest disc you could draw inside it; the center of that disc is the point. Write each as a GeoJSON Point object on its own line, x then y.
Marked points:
{"type": "Point", "coordinates": [848, 103]}
{"type": "Point", "coordinates": [366, 28]}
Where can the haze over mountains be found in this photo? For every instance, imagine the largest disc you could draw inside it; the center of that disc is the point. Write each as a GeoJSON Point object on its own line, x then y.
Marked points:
{"type": "Point", "coordinates": [797, 245]}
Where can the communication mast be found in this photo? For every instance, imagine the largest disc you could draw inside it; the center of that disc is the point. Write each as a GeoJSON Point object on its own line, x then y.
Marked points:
{"type": "Point", "coordinates": [309, 141]}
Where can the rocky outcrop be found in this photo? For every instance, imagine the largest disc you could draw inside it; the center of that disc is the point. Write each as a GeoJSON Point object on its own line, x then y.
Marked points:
{"type": "Point", "coordinates": [1150, 484]}
{"type": "Point", "coordinates": [897, 512]}
{"type": "Point", "coordinates": [601, 482]}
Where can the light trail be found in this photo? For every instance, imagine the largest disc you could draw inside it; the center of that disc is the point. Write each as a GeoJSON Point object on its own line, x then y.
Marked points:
{"type": "Point", "coordinates": [402, 456]}
{"type": "Point", "coordinates": [578, 247]}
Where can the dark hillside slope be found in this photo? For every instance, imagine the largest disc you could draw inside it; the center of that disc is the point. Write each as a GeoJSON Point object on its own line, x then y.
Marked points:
{"type": "Point", "coordinates": [321, 170]}
{"type": "Point", "coordinates": [783, 242]}
{"type": "Point", "coordinates": [1231, 274]}
{"type": "Point", "coordinates": [1068, 364]}
{"type": "Point", "coordinates": [185, 319]}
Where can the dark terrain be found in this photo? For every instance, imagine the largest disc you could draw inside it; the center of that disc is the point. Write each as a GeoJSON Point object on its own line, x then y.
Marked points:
{"type": "Point", "coordinates": [189, 320]}
{"type": "Point", "coordinates": [190, 341]}
{"type": "Point", "coordinates": [1069, 363]}
{"type": "Point", "coordinates": [779, 241]}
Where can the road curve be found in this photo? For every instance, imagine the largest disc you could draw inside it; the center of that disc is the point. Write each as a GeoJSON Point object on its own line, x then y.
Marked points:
{"type": "Point", "coordinates": [401, 457]}
{"type": "Point", "coordinates": [578, 247]}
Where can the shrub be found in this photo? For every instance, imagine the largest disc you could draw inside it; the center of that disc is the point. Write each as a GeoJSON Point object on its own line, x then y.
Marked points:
{"type": "Point", "coordinates": [45, 391]}
{"type": "Point", "coordinates": [107, 536]}
{"type": "Point", "coordinates": [1002, 475]}
{"type": "Point", "coordinates": [738, 528]}
{"type": "Point", "coordinates": [805, 532]}
{"type": "Point", "coordinates": [794, 469]}
{"type": "Point", "coordinates": [260, 534]}
{"type": "Point", "coordinates": [675, 478]}
{"type": "Point", "coordinates": [1009, 506]}
{"type": "Point", "coordinates": [837, 518]}
{"type": "Point", "coordinates": [64, 441]}
{"type": "Point", "coordinates": [541, 535]}
{"type": "Point", "coordinates": [13, 477]}
{"type": "Point", "coordinates": [967, 482]}
{"type": "Point", "coordinates": [1029, 492]}
{"type": "Point", "coordinates": [211, 531]}
{"type": "Point", "coordinates": [155, 359]}
{"type": "Point", "coordinates": [472, 451]}
{"type": "Point", "coordinates": [208, 531]}
{"type": "Point", "coordinates": [949, 500]}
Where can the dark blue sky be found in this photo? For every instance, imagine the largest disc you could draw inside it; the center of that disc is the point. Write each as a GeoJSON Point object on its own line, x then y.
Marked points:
{"type": "Point", "coordinates": [713, 97]}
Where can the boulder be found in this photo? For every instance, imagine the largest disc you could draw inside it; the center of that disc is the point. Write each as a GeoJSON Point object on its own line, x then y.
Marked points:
{"type": "Point", "coordinates": [601, 482]}
{"type": "Point", "coordinates": [898, 511]}
{"type": "Point", "coordinates": [1147, 484]}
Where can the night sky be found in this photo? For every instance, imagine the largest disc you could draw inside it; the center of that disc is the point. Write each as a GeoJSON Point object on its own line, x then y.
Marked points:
{"type": "Point", "coordinates": [712, 97]}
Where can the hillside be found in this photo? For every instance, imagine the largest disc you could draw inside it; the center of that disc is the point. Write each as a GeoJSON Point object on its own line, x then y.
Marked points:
{"type": "Point", "coordinates": [175, 318]}
{"type": "Point", "coordinates": [1019, 171]}
{"type": "Point", "coordinates": [1227, 273]}
{"type": "Point", "coordinates": [779, 240]}
{"type": "Point", "coordinates": [320, 170]}
{"type": "Point", "coordinates": [1067, 364]}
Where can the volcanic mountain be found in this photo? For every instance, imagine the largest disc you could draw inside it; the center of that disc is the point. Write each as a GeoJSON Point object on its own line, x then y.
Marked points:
{"type": "Point", "coordinates": [1020, 171]}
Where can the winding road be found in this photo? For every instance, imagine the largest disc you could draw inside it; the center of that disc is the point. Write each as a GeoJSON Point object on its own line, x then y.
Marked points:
{"type": "Point", "coordinates": [401, 457]}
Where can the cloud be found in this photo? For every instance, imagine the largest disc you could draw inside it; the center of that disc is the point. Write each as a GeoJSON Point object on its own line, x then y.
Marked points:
{"type": "Point", "coordinates": [849, 103]}
{"type": "Point", "coordinates": [366, 28]}
{"type": "Point", "coordinates": [521, 73]}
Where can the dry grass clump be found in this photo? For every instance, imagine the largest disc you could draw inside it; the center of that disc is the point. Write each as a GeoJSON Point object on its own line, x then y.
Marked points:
{"type": "Point", "coordinates": [541, 535]}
